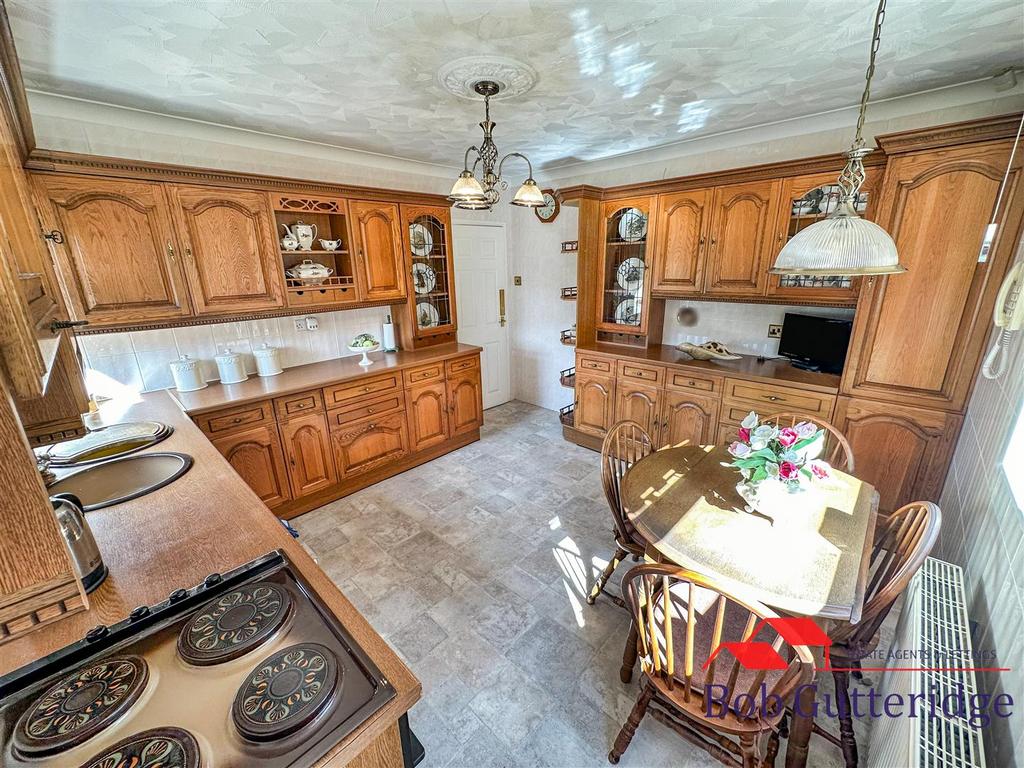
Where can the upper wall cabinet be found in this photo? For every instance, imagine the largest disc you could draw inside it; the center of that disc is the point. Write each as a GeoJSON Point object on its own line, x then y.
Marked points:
{"type": "Point", "coordinates": [379, 250]}
{"type": "Point", "coordinates": [743, 237]}
{"type": "Point", "coordinates": [681, 232]}
{"type": "Point", "coordinates": [118, 262]}
{"type": "Point", "coordinates": [625, 283]}
{"type": "Point", "coordinates": [231, 256]}
{"type": "Point", "coordinates": [918, 336]}
{"type": "Point", "coordinates": [430, 309]}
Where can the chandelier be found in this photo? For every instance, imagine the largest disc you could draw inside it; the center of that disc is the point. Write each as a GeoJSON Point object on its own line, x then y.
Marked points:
{"type": "Point", "coordinates": [480, 195]}
{"type": "Point", "coordinates": [843, 243]}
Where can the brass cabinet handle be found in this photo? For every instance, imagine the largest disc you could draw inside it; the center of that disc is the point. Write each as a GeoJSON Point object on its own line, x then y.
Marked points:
{"type": "Point", "coordinates": [501, 307]}
{"type": "Point", "coordinates": [371, 426]}
{"type": "Point", "coordinates": [188, 252]}
{"type": "Point", "coordinates": [772, 398]}
{"type": "Point", "coordinates": [170, 251]}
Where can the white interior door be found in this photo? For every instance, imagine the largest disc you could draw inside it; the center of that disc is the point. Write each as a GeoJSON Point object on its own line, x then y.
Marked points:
{"type": "Point", "coordinates": [481, 275]}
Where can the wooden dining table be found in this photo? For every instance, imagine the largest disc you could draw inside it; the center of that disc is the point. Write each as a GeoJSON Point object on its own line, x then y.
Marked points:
{"type": "Point", "coordinates": [803, 553]}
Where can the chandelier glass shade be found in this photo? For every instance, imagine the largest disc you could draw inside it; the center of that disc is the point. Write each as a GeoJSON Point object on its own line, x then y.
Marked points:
{"type": "Point", "coordinates": [843, 243]}
{"type": "Point", "coordinates": [470, 193]}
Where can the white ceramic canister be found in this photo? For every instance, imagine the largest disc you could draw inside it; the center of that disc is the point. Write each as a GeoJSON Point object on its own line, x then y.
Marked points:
{"type": "Point", "coordinates": [187, 373]}
{"type": "Point", "coordinates": [268, 360]}
{"type": "Point", "coordinates": [231, 366]}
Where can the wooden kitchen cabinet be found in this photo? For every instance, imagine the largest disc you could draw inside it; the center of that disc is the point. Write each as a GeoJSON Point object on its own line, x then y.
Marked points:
{"type": "Point", "coordinates": [310, 459]}
{"type": "Point", "coordinates": [256, 455]}
{"type": "Point", "coordinates": [231, 256]}
{"type": "Point", "coordinates": [378, 239]}
{"type": "Point", "coordinates": [595, 403]}
{"type": "Point", "coordinates": [640, 403]}
{"type": "Point", "coordinates": [903, 452]}
{"type": "Point", "coordinates": [626, 230]}
{"type": "Point", "coordinates": [118, 261]}
{"type": "Point", "coordinates": [364, 445]}
{"type": "Point", "coordinates": [743, 237]}
{"type": "Point", "coordinates": [680, 239]}
{"type": "Point", "coordinates": [427, 408]}
{"type": "Point", "coordinates": [688, 418]}
{"type": "Point", "coordinates": [918, 336]}
{"type": "Point", "coordinates": [465, 402]}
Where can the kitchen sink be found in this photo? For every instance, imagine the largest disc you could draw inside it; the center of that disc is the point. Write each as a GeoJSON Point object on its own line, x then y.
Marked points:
{"type": "Point", "coordinates": [118, 480]}
{"type": "Point", "coordinates": [105, 443]}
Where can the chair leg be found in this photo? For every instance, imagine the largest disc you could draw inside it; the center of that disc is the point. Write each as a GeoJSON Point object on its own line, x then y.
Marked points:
{"type": "Point", "coordinates": [629, 727]}
{"type": "Point", "coordinates": [772, 751]}
{"type": "Point", "coordinates": [606, 574]}
{"type": "Point", "coordinates": [748, 750]}
{"type": "Point", "coordinates": [846, 738]}
{"type": "Point", "coordinates": [629, 654]}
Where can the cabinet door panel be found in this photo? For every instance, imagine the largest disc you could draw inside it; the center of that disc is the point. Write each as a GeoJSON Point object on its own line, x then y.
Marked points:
{"type": "Point", "coordinates": [638, 403]}
{"type": "Point", "coordinates": [365, 445]}
{"type": "Point", "coordinates": [255, 454]}
{"type": "Point", "coordinates": [623, 299]}
{"type": "Point", "coordinates": [742, 237]}
{"type": "Point", "coordinates": [903, 452]}
{"type": "Point", "coordinates": [118, 261]}
{"type": "Point", "coordinates": [595, 403]}
{"type": "Point", "coordinates": [465, 402]}
{"type": "Point", "coordinates": [427, 409]}
{"type": "Point", "coordinates": [310, 462]}
{"type": "Point", "coordinates": [918, 336]}
{"type": "Point", "coordinates": [379, 244]}
{"type": "Point", "coordinates": [688, 419]}
{"type": "Point", "coordinates": [681, 235]}
{"type": "Point", "coordinates": [231, 256]}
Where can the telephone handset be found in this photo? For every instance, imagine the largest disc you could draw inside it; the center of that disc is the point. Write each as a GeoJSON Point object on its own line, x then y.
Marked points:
{"type": "Point", "coordinates": [1009, 309]}
{"type": "Point", "coordinates": [1008, 315]}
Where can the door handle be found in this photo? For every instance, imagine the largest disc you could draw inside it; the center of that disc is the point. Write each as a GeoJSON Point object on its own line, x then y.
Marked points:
{"type": "Point", "coordinates": [501, 307]}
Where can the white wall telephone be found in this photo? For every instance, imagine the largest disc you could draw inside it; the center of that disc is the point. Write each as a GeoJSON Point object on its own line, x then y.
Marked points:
{"type": "Point", "coordinates": [1008, 315]}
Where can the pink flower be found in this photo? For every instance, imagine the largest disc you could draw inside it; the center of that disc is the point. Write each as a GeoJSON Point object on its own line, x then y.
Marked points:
{"type": "Point", "coordinates": [788, 436]}
{"type": "Point", "coordinates": [819, 469]}
{"type": "Point", "coordinates": [744, 434]}
{"type": "Point", "coordinates": [788, 470]}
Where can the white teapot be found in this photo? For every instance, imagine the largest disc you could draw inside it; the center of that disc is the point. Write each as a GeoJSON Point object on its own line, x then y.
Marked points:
{"type": "Point", "coordinates": [309, 272]}
{"type": "Point", "coordinates": [304, 233]}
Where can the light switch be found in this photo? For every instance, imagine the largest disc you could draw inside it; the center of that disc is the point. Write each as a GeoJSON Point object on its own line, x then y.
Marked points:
{"type": "Point", "coordinates": [517, 280]}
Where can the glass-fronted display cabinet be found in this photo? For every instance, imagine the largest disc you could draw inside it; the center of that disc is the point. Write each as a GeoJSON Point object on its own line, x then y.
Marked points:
{"type": "Point", "coordinates": [625, 274]}
{"type": "Point", "coordinates": [811, 199]}
{"type": "Point", "coordinates": [430, 309]}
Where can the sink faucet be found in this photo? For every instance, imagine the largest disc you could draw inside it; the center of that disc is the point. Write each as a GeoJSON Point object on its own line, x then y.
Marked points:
{"type": "Point", "coordinates": [43, 465]}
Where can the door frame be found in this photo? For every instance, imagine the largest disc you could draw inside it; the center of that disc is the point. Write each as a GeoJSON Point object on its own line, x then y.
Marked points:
{"type": "Point", "coordinates": [509, 316]}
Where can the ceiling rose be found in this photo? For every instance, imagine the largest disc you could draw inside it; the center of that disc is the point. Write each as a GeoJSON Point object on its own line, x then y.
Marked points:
{"type": "Point", "coordinates": [513, 77]}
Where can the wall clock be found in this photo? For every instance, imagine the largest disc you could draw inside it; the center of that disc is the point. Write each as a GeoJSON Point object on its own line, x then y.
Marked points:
{"type": "Point", "coordinates": [549, 211]}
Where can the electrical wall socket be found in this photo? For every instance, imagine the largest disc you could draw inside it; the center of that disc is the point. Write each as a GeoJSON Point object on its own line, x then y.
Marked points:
{"type": "Point", "coordinates": [300, 323]}
{"type": "Point", "coordinates": [774, 331]}
{"type": "Point", "coordinates": [312, 323]}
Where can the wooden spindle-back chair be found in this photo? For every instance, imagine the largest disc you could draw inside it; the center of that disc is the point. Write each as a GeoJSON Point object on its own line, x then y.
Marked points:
{"type": "Point", "coordinates": [624, 445]}
{"type": "Point", "coordinates": [837, 451]}
{"type": "Point", "coordinates": [900, 550]}
{"type": "Point", "coordinates": [684, 623]}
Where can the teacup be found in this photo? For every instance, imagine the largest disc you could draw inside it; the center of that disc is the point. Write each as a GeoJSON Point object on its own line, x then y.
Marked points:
{"type": "Point", "coordinates": [330, 245]}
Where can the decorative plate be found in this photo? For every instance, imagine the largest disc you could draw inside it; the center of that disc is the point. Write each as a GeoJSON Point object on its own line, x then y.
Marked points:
{"type": "Point", "coordinates": [80, 705]}
{"type": "Point", "coordinates": [285, 691]}
{"type": "Point", "coordinates": [548, 212]}
{"type": "Point", "coordinates": [424, 279]}
{"type": "Point", "coordinates": [427, 315]}
{"type": "Point", "coordinates": [632, 225]}
{"type": "Point", "coordinates": [234, 623]}
{"type": "Point", "coordinates": [628, 312]}
{"type": "Point", "coordinates": [630, 274]}
{"type": "Point", "coordinates": [156, 748]}
{"type": "Point", "coordinates": [420, 240]}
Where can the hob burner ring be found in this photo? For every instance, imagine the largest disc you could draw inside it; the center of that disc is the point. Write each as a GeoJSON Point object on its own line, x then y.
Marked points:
{"type": "Point", "coordinates": [234, 623]}
{"type": "Point", "coordinates": [156, 748]}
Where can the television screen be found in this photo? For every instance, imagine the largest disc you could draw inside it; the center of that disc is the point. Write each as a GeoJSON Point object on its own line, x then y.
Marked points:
{"type": "Point", "coordinates": [815, 343]}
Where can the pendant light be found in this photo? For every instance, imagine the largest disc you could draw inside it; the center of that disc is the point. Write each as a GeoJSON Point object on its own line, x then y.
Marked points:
{"type": "Point", "coordinates": [843, 243]}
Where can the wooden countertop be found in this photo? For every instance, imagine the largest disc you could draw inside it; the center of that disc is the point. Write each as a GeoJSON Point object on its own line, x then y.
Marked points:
{"type": "Point", "coordinates": [312, 376]}
{"type": "Point", "coordinates": [771, 371]}
{"type": "Point", "coordinates": [206, 521]}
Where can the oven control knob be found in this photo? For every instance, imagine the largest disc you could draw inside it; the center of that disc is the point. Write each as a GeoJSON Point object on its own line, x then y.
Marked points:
{"type": "Point", "coordinates": [177, 595]}
{"type": "Point", "coordinates": [213, 580]}
{"type": "Point", "coordinates": [139, 613]}
{"type": "Point", "coordinates": [96, 633]}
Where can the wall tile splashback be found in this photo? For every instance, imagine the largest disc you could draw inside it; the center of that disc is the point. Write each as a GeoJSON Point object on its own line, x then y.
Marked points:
{"type": "Point", "coordinates": [137, 361]}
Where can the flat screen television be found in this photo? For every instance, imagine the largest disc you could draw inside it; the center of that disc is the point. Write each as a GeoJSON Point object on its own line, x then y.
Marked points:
{"type": "Point", "coordinates": [815, 343]}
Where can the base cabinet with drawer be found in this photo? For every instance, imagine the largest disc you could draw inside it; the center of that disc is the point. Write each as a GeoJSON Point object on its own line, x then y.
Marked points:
{"type": "Point", "coordinates": [256, 455]}
{"type": "Point", "coordinates": [367, 444]}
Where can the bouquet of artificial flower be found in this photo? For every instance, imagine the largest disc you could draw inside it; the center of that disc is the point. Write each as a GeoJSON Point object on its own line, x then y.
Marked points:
{"type": "Point", "coordinates": [787, 454]}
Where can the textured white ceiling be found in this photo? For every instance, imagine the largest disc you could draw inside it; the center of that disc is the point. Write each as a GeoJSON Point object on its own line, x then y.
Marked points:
{"type": "Point", "coordinates": [612, 77]}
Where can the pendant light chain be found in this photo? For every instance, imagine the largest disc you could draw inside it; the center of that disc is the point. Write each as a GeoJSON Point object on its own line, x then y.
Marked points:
{"type": "Point", "coordinates": [876, 40]}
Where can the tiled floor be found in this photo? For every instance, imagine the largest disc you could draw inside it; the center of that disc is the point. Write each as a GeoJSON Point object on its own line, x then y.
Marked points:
{"type": "Point", "coordinates": [475, 567]}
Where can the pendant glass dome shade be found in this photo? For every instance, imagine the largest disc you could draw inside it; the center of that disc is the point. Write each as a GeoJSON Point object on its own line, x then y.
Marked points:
{"type": "Point", "coordinates": [467, 189]}
{"type": "Point", "coordinates": [528, 195]}
{"type": "Point", "coordinates": [843, 244]}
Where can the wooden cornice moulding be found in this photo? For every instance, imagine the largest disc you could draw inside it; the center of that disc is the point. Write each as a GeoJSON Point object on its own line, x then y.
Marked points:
{"type": "Point", "coordinates": [579, 192]}
{"type": "Point", "coordinates": [12, 90]}
{"type": "Point", "coordinates": [55, 161]}
{"type": "Point", "coordinates": [951, 134]}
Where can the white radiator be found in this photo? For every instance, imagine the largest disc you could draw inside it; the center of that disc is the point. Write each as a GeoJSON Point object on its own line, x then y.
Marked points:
{"type": "Point", "coordinates": [933, 621]}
